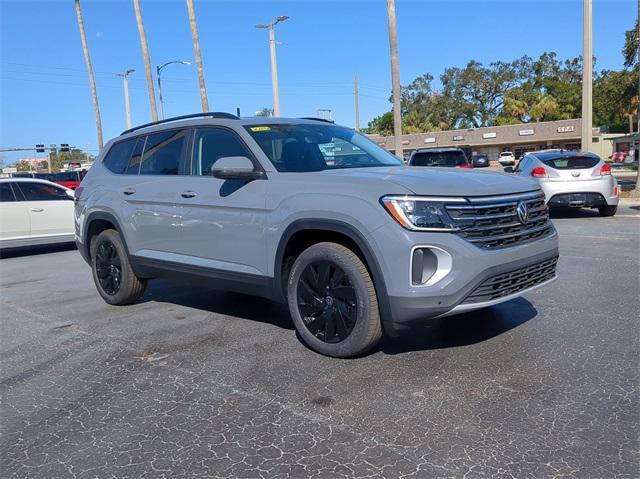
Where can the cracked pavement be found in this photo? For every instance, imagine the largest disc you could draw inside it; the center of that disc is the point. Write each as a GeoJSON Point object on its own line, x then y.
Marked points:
{"type": "Point", "coordinates": [191, 382]}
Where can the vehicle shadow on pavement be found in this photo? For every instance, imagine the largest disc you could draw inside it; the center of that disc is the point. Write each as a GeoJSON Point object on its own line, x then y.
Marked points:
{"type": "Point", "coordinates": [463, 329]}
{"type": "Point", "coordinates": [35, 250]}
{"type": "Point", "coordinates": [252, 308]}
{"type": "Point", "coordinates": [559, 213]}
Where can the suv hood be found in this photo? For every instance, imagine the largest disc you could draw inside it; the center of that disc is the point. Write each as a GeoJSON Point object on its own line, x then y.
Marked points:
{"type": "Point", "coordinates": [444, 181]}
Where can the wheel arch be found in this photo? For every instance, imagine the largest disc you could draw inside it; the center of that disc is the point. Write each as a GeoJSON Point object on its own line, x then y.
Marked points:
{"type": "Point", "coordinates": [96, 223]}
{"type": "Point", "coordinates": [328, 230]}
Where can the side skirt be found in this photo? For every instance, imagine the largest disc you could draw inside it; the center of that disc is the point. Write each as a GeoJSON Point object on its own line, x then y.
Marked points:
{"type": "Point", "coordinates": [218, 279]}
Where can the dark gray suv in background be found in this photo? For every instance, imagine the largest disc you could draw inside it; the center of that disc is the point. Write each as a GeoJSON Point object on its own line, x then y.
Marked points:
{"type": "Point", "coordinates": [313, 214]}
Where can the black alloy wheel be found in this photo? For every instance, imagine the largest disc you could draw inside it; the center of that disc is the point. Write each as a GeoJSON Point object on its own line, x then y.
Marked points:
{"type": "Point", "coordinates": [327, 301]}
{"type": "Point", "coordinates": [108, 268]}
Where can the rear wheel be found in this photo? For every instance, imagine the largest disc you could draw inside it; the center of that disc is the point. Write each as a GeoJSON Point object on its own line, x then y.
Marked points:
{"type": "Point", "coordinates": [333, 302]}
{"type": "Point", "coordinates": [608, 210]}
{"type": "Point", "coordinates": [115, 280]}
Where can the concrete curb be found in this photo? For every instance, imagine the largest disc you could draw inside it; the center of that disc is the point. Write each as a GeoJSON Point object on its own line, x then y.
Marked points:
{"type": "Point", "coordinates": [629, 201]}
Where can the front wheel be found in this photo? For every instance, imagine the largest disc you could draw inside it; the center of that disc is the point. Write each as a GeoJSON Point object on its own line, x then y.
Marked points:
{"type": "Point", "coordinates": [333, 301]}
{"type": "Point", "coordinates": [608, 210]}
{"type": "Point", "coordinates": [112, 273]}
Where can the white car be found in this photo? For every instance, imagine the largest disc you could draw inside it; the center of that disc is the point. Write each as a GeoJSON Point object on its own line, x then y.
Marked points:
{"type": "Point", "coordinates": [507, 159]}
{"type": "Point", "coordinates": [572, 179]}
{"type": "Point", "coordinates": [34, 212]}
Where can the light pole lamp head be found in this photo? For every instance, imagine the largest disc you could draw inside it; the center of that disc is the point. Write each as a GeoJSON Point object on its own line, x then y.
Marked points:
{"type": "Point", "coordinates": [130, 70]}
{"type": "Point", "coordinates": [281, 18]}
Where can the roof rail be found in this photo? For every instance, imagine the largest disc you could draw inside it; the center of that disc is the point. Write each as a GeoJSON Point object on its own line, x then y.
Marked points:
{"type": "Point", "coordinates": [316, 119]}
{"type": "Point", "coordinates": [210, 114]}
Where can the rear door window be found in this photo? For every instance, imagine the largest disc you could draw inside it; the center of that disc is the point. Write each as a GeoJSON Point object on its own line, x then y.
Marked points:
{"type": "Point", "coordinates": [572, 163]}
{"type": "Point", "coordinates": [119, 155]}
{"type": "Point", "coordinates": [163, 153]}
{"type": "Point", "coordinates": [41, 191]}
{"type": "Point", "coordinates": [6, 193]}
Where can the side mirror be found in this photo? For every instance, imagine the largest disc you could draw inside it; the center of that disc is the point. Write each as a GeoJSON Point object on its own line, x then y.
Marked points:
{"type": "Point", "coordinates": [236, 168]}
{"type": "Point", "coordinates": [508, 169]}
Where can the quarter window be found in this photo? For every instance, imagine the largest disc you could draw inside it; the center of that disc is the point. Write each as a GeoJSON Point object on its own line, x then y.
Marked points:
{"type": "Point", "coordinates": [163, 152]}
{"type": "Point", "coordinates": [42, 192]}
{"type": "Point", "coordinates": [6, 193]}
{"type": "Point", "coordinates": [119, 155]}
{"type": "Point", "coordinates": [210, 145]}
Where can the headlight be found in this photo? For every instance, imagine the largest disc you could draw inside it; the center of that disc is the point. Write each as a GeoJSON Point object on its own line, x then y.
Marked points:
{"type": "Point", "coordinates": [420, 213]}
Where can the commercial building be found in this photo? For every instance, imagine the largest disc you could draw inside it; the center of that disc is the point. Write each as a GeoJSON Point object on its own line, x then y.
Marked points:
{"type": "Point", "coordinates": [519, 139]}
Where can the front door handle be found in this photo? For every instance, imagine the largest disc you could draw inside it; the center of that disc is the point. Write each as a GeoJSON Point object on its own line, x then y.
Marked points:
{"type": "Point", "coordinates": [37, 210]}
{"type": "Point", "coordinates": [188, 194]}
{"type": "Point", "coordinates": [128, 192]}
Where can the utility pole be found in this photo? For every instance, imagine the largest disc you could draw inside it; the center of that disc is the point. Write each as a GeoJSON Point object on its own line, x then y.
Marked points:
{"type": "Point", "coordinates": [92, 81]}
{"type": "Point", "coordinates": [274, 64]}
{"type": "Point", "coordinates": [127, 106]}
{"type": "Point", "coordinates": [147, 61]}
{"type": "Point", "coordinates": [587, 83]}
{"type": "Point", "coordinates": [196, 51]}
{"type": "Point", "coordinates": [357, 106]}
{"type": "Point", "coordinates": [395, 77]}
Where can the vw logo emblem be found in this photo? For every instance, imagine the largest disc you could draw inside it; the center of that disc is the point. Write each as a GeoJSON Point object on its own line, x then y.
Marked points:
{"type": "Point", "coordinates": [523, 212]}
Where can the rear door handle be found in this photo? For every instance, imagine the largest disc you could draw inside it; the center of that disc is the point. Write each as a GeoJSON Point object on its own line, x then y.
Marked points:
{"type": "Point", "coordinates": [188, 194]}
{"type": "Point", "coordinates": [37, 210]}
{"type": "Point", "coordinates": [128, 192]}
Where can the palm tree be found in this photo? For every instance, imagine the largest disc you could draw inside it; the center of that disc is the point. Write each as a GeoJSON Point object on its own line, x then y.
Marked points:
{"type": "Point", "coordinates": [395, 77]}
{"type": "Point", "coordinates": [92, 80]}
{"type": "Point", "coordinates": [196, 50]}
{"type": "Point", "coordinates": [147, 61]}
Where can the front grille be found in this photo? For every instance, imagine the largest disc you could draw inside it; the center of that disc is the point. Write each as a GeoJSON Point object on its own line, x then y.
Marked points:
{"type": "Point", "coordinates": [504, 284]}
{"type": "Point", "coordinates": [495, 224]}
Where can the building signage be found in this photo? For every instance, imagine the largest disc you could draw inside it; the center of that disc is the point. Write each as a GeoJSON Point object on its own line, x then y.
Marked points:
{"type": "Point", "coordinates": [566, 129]}
{"type": "Point", "coordinates": [525, 132]}
{"type": "Point", "coordinates": [458, 137]}
{"type": "Point", "coordinates": [491, 134]}
{"type": "Point", "coordinates": [430, 140]}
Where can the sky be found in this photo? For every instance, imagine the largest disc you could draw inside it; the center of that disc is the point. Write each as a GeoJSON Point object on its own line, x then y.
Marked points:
{"type": "Point", "coordinates": [44, 87]}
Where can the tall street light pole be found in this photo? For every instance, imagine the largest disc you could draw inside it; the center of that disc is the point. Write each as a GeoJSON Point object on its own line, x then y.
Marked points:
{"type": "Point", "coordinates": [274, 65]}
{"type": "Point", "coordinates": [357, 101]}
{"type": "Point", "coordinates": [395, 77]}
{"type": "Point", "coordinates": [127, 106]}
{"type": "Point", "coordinates": [158, 71]}
{"type": "Point", "coordinates": [587, 83]}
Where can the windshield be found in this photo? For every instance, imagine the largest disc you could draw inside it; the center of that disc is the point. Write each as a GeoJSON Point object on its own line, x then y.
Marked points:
{"type": "Point", "coordinates": [572, 163]}
{"type": "Point", "coordinates": [439, 158]}
{"type": "Point", "coordinates": [506, 153]}
{"type": "Point", "coordinates": [309, 147]}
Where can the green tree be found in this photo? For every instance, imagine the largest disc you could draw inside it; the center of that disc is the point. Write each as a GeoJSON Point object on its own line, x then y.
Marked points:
{"type": "Point", "coordinates": [381, 125]}
{"type": "Point", "coordinates": [265, 112]}
{"type": "Point", "coordinates": [631, 45]}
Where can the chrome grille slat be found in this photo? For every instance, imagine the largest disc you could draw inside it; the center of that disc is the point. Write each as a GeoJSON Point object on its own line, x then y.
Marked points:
{"type": "Point", "coordinates": [505, 284]}
{"type": "Point", "coordinates": [496, 224]}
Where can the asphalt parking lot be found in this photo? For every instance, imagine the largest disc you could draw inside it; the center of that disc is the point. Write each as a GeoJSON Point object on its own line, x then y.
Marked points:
{"type": "Point", "coordinates": [192, 382]}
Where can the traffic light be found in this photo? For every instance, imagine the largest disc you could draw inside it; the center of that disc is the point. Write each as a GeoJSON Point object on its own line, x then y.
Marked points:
{"type": "Point", "coordinates": [39, 148]}
{"type": "Point", "coordinates": [64, 147]}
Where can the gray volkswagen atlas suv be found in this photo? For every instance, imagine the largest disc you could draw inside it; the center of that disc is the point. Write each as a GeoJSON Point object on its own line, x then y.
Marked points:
{"type": "Point", "coordinates": [313, 214]}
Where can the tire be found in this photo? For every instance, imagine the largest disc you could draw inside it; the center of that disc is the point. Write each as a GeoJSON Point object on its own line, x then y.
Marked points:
{"type": "Point", "coordinates": [345, 322]}
{"type": "Point", "coordinates": [109, 258]}
{"type": "Point", "coordinates": [608, 210]}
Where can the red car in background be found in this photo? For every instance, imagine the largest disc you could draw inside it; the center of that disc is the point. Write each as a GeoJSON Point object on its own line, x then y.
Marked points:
{"type": "Point", "coordinates": [69, 179]}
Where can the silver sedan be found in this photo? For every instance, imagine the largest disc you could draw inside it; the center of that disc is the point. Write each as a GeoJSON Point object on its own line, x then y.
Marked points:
{"type": "Point", "coordinates": [572, 179]}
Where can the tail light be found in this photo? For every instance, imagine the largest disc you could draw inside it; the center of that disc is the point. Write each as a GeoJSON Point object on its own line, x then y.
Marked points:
{"type": "Point", "coordinates": [616, 191]}
{"type": "Point", "coordinates": [465, 165]}
{"type": "Point", "coordinates": [539, 172]}
{"type": "Point", "coordinates": [605, 170]}
{"type": "Point", "coordinates": [77, 193]}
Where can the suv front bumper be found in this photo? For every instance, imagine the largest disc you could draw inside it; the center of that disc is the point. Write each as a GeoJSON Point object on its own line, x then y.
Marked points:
{"type": "Point", "coordinates": [474, 271]}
